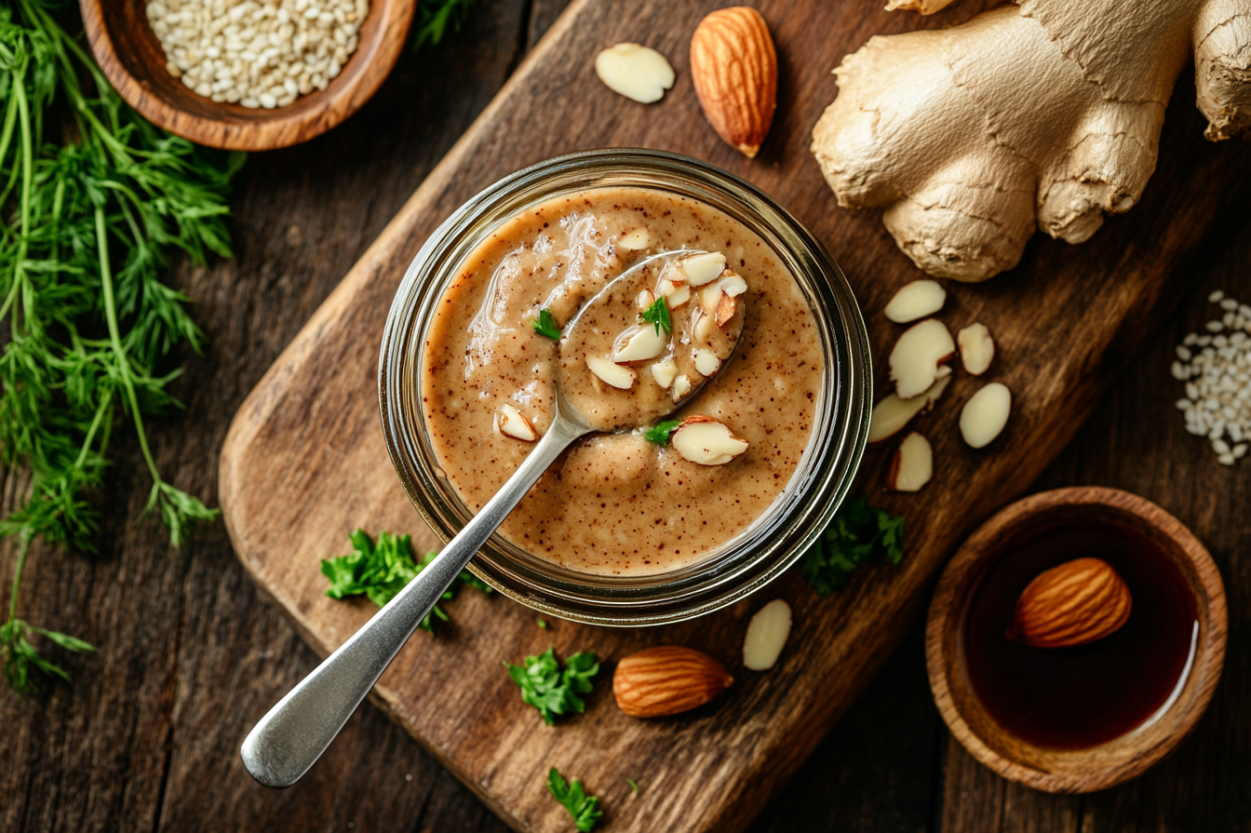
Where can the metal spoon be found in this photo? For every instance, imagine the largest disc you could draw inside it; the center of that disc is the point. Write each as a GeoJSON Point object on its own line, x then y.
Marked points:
{"type": "Point", "coordinates": [293, 735]}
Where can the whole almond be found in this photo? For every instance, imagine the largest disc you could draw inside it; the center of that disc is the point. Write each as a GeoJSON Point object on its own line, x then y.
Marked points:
{"type": "Point", "coordinates": [735, 70]}
{"type": "Point", "coordinates": [667, 680]}
{"type": "Point", "coordinates": [1078, 602]}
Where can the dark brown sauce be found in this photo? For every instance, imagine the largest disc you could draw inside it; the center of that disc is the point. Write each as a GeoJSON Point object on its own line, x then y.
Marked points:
{"type": "Point", "coordinates": [1078, 697]}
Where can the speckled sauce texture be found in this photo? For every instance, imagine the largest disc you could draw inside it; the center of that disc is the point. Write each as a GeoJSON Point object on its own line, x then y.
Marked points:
{"type": "Point", "coordinates": [615, 504]}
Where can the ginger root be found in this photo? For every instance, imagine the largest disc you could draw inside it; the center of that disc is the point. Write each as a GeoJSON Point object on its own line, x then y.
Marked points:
{"type": "Point", "coordinates": [1045, 115]}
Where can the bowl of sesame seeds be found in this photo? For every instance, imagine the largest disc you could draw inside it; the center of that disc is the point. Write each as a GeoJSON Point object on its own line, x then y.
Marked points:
{"type": "Point", "coordinates": [247, 74]}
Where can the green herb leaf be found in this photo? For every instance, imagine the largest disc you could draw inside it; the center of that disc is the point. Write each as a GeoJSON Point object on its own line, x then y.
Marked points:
{"type": "Point", "coordinates": [542, 623]}
{"type": "Point", "coordinates": [545, 326]}
{"type": "Point", "coordinates": [634, 786]}
{"type": "Point", "coordinates": [434, 17]}
{"type": "Point", "coordinates": [661, 431]}
{"type": "Point", "coordinates": [582, 807]}
{"type": "Point", "coordinates": [381, 571]}
{"type": "Point", "coordinates": [658, 315]}
{"type": "Point", "coordinates": [549, 689]}
{"type": "Point", "coordinates": [94, 202]}
{"type": "Point", "coordinates": [859, 534]}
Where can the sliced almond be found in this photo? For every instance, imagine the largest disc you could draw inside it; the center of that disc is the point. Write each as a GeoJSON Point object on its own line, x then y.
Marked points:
{"type": "Point", "coordinates": [710, 297]}
{"type": "Point", "coordinates": [681, 387]}
{"type": "Point", "coordinates": [725, 310]}
{"type": "Point", "coordinates": [645, 299]}
{"type": "Point", "coordinates": [634, 240]}
{"type": "Point", "coordinates": [665, 372]}
{"type": "Point", "coordinates": [705, 325]}
{"type": "Point", "coordinates": [706, 441]}
{"type": "Point", "coordinates": [706, 362]}
{"type": "Point", "coordinates": [511, 423]}
{"type": "Point", "coordinates": [916, 300]}
{"type": "Point", "coordinates": [611, 373]}
{"type": "Point", "coordinates": [679, 297]}
{"type": "Point", "coordinates": [767, 633]}
{"type": "Point", "coordinates": [641, 345]}
{"type": "Point", "coordinates": [913, 465]}
{"type": "Point", "coordinates": [634, 71]}
{"type": "Point", "coordinates": [703, 268]}
{"type": "Point", "coordinates": [985, 415]}
{"type": "Point", "coordinates": [977, 348]}
{"type": "Point", "coordinates": [892, 413]}
{"type": "Point", "coordinates": [920, 357]}
{"type": "Point", "coordinates": [733, 285]}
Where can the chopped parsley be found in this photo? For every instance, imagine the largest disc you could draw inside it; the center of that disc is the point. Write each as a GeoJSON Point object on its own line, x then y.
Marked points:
{"type": "Point", "coordinates": [658, 315]}
{"type": "Point", "coordinates": [549, 689]}
{"type": "Point", "coordinates": [661, 431]}
{"type": "Point", "coordinates": [859, 534]}
{"type": "Point", "coordinates": [634, 786]}
{"type": "Point", "coordinates": [582, 807]}
{"type": "Point", "coordinates": [542, 623]}
{"type": "Point", "coordinates": [545, 326]}
{"type": "Point", "coordinates": [381, 571]}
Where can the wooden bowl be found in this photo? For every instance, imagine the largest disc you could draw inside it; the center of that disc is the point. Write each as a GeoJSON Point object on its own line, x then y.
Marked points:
{"type": "Point", "coordinates": [1102, 766]}
{"type": "Point", "coordinates": [132, 59]}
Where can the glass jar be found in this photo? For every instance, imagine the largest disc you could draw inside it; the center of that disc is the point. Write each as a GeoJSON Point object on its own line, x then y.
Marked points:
{"type": "Point", "coordinates": [729, 572]}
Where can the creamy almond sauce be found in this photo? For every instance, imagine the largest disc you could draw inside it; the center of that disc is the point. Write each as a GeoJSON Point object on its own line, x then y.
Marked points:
{"type": "Point", "coordinates": [615, 504]}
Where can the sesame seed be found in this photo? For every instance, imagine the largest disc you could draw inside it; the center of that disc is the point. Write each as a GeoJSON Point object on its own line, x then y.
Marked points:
{"type": "Point", "coordinates": [1217, 377]}
{"type": "Point", "coordinates": [252, 53]}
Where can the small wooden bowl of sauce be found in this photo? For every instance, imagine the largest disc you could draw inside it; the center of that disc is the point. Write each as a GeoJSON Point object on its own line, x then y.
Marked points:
{"type": "Point", "coordinates": [1080, 717]}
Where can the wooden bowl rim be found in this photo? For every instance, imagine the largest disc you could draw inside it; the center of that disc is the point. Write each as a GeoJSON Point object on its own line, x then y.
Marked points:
{"type": "Point", "coordinates": [261, 129]}
{"type": "Point", "coordinates": [1111, 763]}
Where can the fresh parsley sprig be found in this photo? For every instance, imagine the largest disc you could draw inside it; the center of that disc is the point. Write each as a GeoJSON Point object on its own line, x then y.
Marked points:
{"type": "Point", "coordinates": [582, 807]}
{"type": "Point", "coordinates": [549, 689]}
{"type": "Point", "coordinates": [380, 571]}
{"type": "Point", "coordinates": [859, 534]}
{"type": "Point", "coordinates": [661, 431]}
{"type": "Point", "coordinates": [544, 325]}
{"type": "Point", "coordinates": [658, 315]}
{"type": "Point", "coordinates": [94, 200]}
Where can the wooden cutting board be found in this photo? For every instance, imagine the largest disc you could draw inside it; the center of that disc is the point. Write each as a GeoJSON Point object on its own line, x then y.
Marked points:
{"type": "Point", "coordinates": [305, 464]}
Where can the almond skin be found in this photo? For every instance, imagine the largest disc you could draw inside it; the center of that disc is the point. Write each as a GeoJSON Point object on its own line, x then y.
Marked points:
{"type": "Point", "coordinates": [1077, 602]}
{"type": "Point", "coordinates": [735, 70]}
{"type": "Point", "coordinates": [668, 679]}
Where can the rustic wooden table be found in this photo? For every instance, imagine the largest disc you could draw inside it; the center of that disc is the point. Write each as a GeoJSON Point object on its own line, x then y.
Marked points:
{"type": "Point", "coordinates": [190, 654]}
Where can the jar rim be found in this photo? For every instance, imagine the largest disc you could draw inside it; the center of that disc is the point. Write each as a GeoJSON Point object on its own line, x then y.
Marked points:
{"type": "Point", "coordinates": [794, 520]}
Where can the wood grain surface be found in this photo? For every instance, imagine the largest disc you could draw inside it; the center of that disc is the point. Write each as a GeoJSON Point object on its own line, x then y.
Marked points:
{"type": "Point", "coordinates": [132, 59]}
{"type": "Point", "coordinates": [191, 655]}
{"type": "Point", "coordinates": [300, 468]}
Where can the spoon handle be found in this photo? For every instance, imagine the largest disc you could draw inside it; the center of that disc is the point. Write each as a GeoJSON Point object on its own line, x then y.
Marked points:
{"type": "Point", "coordinates": [293, 735]}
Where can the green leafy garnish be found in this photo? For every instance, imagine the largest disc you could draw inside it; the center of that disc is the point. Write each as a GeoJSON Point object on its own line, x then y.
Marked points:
{"type": "Point", "coordinates": [634, 786]}
{"type": "Point", "coordinates": [20, 657]}
{"type": "Point", "coordinates": [545, 326]}
{"type": "Point", "coordinates": [381, 571]}
{"type": "Point", "coordinates": [542, 623]}
{"type": "Point", "coordinates": [584, 808]}
{"type": "Point", "coordinates": [658, 315]}
{"type": "Point", "coordinates": [94, 200]}
{"type": "Point", "coordinates": [661, 431]}
{"type": "Point", "coordinates": [434, 17]}
{"type": "Point", "coordinates": [549, 689]}
{"type": "Point", "coordinates": [859, 534]}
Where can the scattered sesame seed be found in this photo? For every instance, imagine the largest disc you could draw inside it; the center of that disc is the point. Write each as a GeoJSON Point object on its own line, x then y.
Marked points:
{"type": "Point", "coordinates": [1217, 376]}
